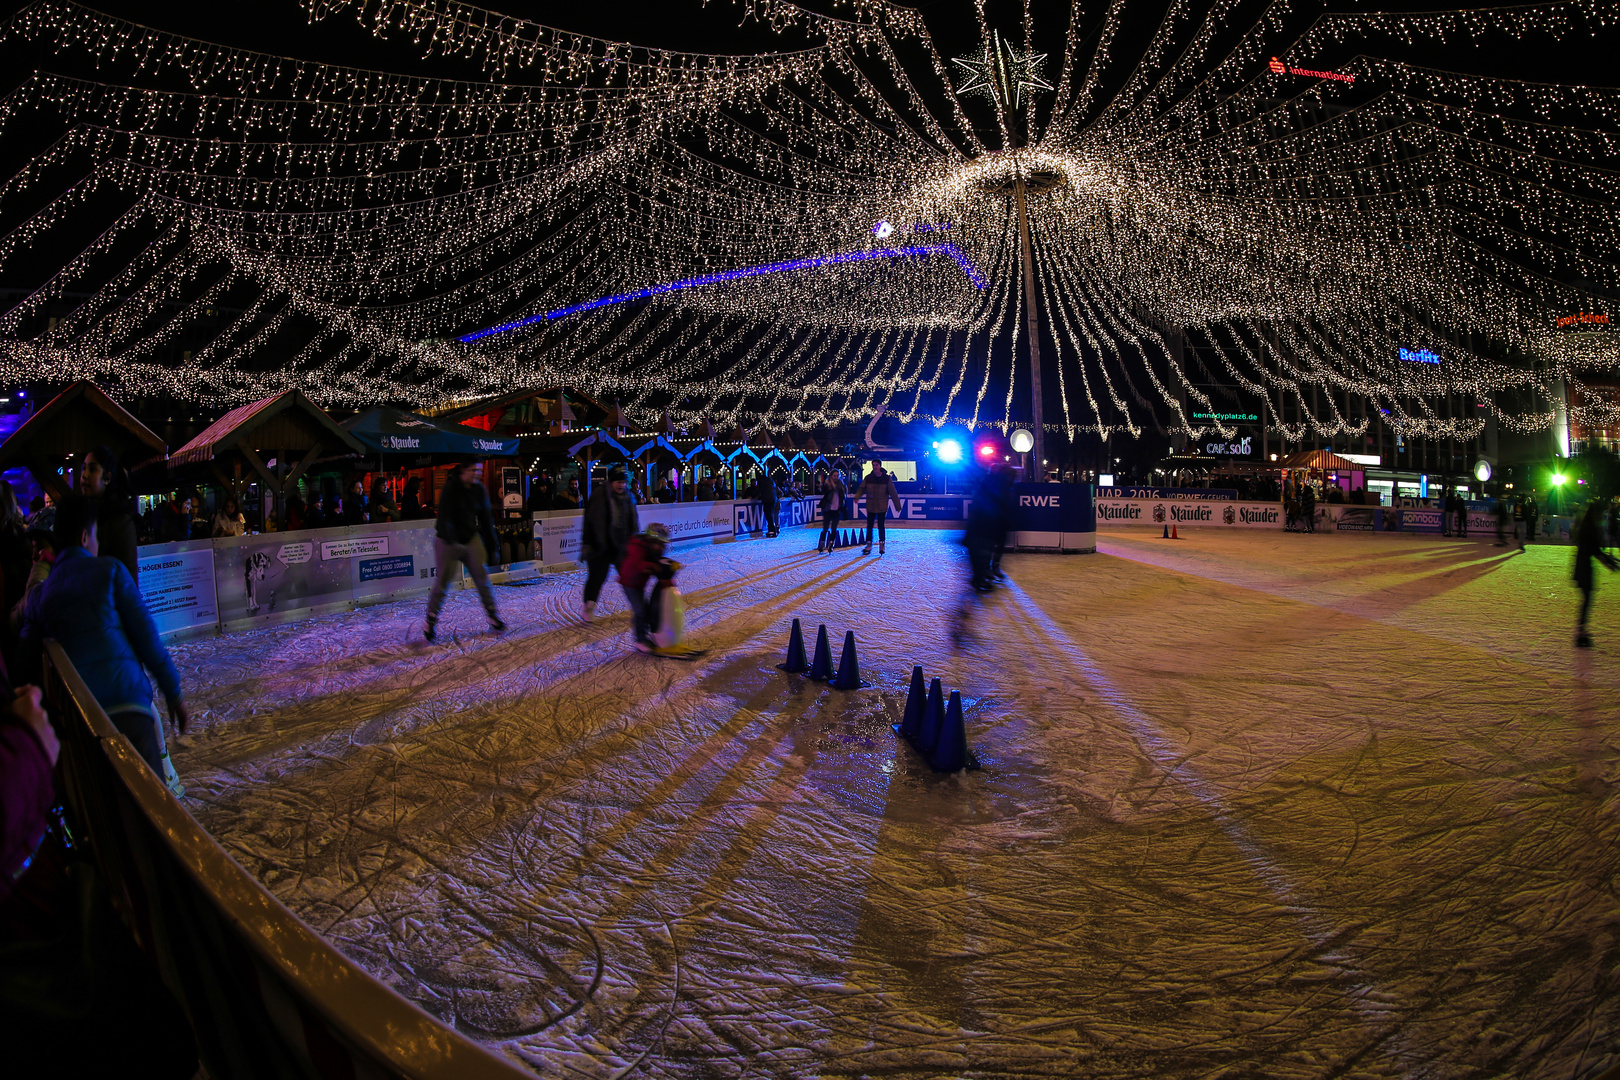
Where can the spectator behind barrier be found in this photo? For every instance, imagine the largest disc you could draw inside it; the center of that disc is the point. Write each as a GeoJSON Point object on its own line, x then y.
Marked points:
{"type": "Point", "coordinates": [91, 606]}
{"type": "Point", "coordinates": [101, 477]}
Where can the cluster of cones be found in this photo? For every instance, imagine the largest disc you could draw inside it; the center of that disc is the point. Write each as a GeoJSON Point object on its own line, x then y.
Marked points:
{"type": "Point", "coordinates": [1170, 532]}
{"type": "Point", "coordinates": [935, 729]}
{"type": "Point", "coordinates": [820, 669]}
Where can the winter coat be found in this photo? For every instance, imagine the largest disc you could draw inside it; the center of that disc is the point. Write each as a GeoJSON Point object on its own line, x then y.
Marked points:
{"type": "Point", "coordinates": [832, 501]}
{"type": "Point", "coordinates": [16, 559]}
{"type": "Point", "coordinates": [464, 514]}
{"type": "Point", "coordinates": [27, 792]}
{"type": "Point", "coordinates": [92, 607]}
{"type": "Point", "coordinates": [765, 492]}
{"type": "Point", "coordinates": [115, 534]}
{"type": "Point", "coordinates": [599, 538]}
{"type": "Point", "coordinates": [642, 562]}
{"type": "Point", "coordinates": [1589, 546]}
{"type": "Point", "coordinates": [880, 492]}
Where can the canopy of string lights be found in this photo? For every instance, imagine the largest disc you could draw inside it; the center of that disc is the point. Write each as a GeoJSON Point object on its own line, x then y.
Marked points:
{"type": "Point", "coordinates": [1288, 200]}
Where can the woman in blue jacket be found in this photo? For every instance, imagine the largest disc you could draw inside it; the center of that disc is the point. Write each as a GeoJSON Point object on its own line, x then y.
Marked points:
{"type": "Point", "coordinates": [92, 608]}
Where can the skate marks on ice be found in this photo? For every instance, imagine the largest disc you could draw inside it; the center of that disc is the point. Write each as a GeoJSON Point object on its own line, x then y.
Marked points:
{"type": "Point", "coordinates": [605, 863]}
{"type": "Point", "coordinates": [1452, 831]}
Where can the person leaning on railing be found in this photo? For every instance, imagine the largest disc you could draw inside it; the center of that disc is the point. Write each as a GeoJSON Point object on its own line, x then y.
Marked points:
{"type": "Point", "coordinates": [91, 607]}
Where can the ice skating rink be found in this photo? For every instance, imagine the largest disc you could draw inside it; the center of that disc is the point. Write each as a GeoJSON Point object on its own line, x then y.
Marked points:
{"type": "Point", "coordinates": [1252, 804]}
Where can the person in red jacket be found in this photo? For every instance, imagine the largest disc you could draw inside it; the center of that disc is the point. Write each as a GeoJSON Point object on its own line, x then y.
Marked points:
{"type": "Point", "coordinates": [644, 561]}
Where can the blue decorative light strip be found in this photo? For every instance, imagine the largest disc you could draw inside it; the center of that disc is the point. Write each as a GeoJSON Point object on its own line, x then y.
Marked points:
{"type": "Point", "coordinates": [952, 250]}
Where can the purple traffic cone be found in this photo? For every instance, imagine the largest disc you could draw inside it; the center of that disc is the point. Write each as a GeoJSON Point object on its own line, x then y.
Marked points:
{"type": "Point", "coordinates": [933, 719]}
{"type": "Point", "coordinates": [916, 701]}
{"type": "Point", "coordinates": [821, 668]}
{"type": "Point", "coordinates": [849, 669]}
{"type": "Point", "coordinates": [795, 658]}
{"type": "Point", "coordinates": [951, 752]}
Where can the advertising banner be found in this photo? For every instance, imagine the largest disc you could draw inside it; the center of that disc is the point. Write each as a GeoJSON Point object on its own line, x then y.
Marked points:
{"type": "Point", "coordinates": [1055, 517]}
{"type": "Point", "coordinates": [177, 584]}
{"type": "Point", "coordinates": [1424, 521]}
{"type": "Point", "coordinates": [390, 560]}
{"type": "Point", "coordinates": [556, 536]}
{"type": "Point", "coordinates": [1219, 494]}
{"type": "Point", "coordinates": [686, 522]}
{"type": "Point", "coordinates": [271, 576]}
{"type": "Point", "coordinates": [1183, 513]}
{"type": "Point", "coordinates": [1358, 518]}
{"type": "Point", "coordinates": [942, 508]}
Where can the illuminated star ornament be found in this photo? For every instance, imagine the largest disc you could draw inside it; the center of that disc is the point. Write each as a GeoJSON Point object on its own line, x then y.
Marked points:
{"type": "Point", "coordinates": [1002, 73]}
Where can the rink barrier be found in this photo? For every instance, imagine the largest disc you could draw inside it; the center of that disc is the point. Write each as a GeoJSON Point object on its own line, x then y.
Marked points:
{"type": "Point", "coordinates": [266, 996]}
{"type": "Point", "coordinates": [205, 587]}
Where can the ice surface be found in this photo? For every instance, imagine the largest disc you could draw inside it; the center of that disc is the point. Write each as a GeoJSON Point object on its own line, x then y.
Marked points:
{"type": "Point", "coordinates": [1252, 804]}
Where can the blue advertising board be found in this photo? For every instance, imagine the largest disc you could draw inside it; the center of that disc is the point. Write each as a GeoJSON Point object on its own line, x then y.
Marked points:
{"type": "Point", "coordinates": [393, 566]}
{"type": "Point", "coordinates": [1060, 508]}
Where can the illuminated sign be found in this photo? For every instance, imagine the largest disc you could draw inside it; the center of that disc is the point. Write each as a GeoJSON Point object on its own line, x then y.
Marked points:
{"type": "Point", "coordinates": [1418, 356]}
{"type": "Point", "coordinates": [1225, 416]}
{"type": "Point", "coordinates": [1280, 68]}
{"type": "Point", "coordinates": [1583, 318]}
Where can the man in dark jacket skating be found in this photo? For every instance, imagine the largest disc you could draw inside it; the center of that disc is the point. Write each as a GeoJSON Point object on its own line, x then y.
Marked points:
{"type": "Point", "coordinates": [1588, 547]}
{"type": "Point", "coordinates": [610, 522]}
{"type": "Point", "coordinates": [465, 534]}
{"type": "Point", "coordinates": [879, 491]}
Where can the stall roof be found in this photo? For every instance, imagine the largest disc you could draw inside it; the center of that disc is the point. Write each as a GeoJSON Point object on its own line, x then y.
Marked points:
{"type": "Point", "coordinates": [387, 430]}
{"type": "Point", "coordinates": [74, 421]}
{"type": "Point", "coordinates": [1318, 459]}
{"type": "Point", "coordinates": [287, 421]}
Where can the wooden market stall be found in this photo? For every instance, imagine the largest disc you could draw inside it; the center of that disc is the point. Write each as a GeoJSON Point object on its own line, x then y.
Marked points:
{"type": "Point", "coordinates": [77, 419]}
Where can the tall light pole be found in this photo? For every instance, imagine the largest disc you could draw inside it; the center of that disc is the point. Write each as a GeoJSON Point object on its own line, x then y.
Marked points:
{"type": "Point", "coordinates": [1005, 74]}
{"type": "Point", "coordinates": [1033, 328]}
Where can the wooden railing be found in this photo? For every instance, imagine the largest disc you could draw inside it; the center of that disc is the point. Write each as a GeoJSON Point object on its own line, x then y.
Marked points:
{"type": "Point", "coordinates": [266, 995]}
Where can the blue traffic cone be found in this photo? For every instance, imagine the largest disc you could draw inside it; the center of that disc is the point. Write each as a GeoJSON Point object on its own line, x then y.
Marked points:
{"type": "Point", "coordinates": [821, 668]}
{"type": "Point", "coordinates": [795, 657]}
{"type": "Point", "coordinates": [1167, 531]}
{"type": "Point", "coordinates": [951, 751]}
{"type": "Point", "coordinates": [849, 669]}
{"type": "Point", "coordinates": [933, 720]}
{"type": "Point", "coordinates": [916, 700]}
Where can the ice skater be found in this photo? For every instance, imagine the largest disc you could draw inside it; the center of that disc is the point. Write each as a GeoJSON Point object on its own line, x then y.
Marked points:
{"type": "Point", "coordinates": [464, 533]}
{"type": "Point", "coordinates": [832, 505]}
{"type": "Point", "coordinates": [645, 561]}
{"type": "Point", "coordinates": [765, 492]}
{"type": "Point", "coordinates": [1588, 546]}
{"type": "Point", "coordinates": [879, 490]}
{"type": "Point", "coordinates": [610, 521]}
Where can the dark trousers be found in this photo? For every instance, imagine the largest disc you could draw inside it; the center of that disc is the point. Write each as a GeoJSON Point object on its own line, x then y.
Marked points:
{"type": "Point", "coordinates": [770, 517]}
{"type": "Point", "coordinates": [643, 619]}
{"type": "Point", "coordinates": [829, 527]}
{"type": "Point", "coordinates": [598, 572]}
{"type": "Point", "coordinates": [141, 730]}
{"type": "Point", "coordinates": [1462, 523]}
{"type": "Point", "coordinates": [1586, 607]}
{"type": "Point", "coordinates": [875, 522]}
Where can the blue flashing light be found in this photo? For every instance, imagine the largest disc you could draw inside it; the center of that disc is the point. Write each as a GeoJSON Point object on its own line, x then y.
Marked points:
{"type": "Point", "coordinates": [1418, 356]}
{"type": "Point", "coordinates": [920, 250]}
{"type": "Point", "coordinates": [950, 451]}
